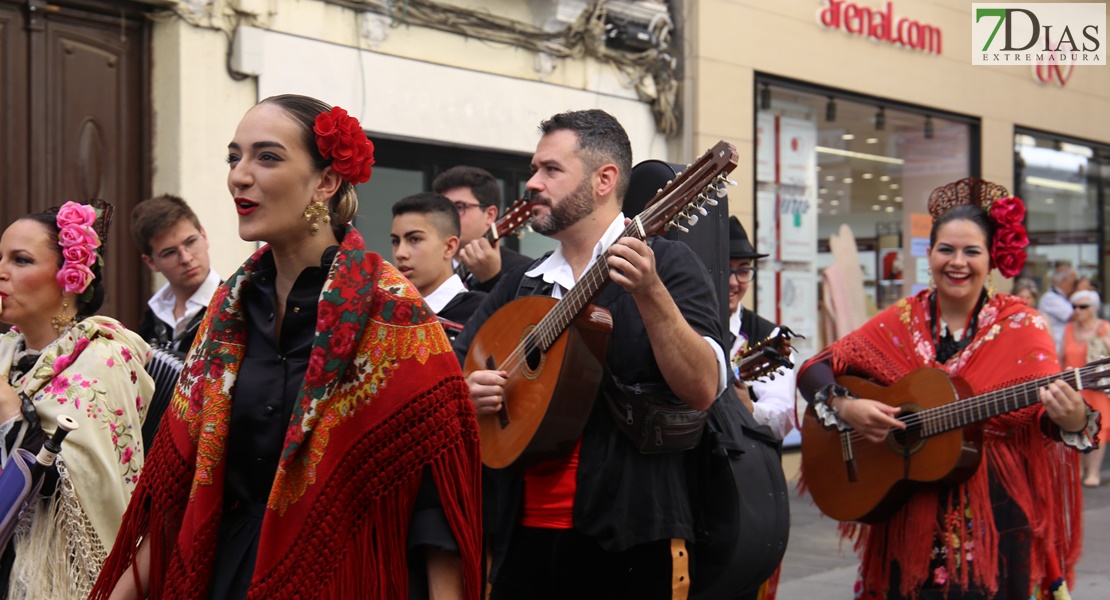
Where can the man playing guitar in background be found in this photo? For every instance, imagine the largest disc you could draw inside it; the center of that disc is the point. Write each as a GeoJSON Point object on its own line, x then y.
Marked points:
{"type": "Point", "coordinates": [606, 521]}
{"type": "Point", "coordinates": [477, 195]}
{"type": "Point", "coordinates": [775, 397]}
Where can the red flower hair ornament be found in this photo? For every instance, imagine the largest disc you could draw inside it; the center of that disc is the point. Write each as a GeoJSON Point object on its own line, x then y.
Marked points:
{"type": "Point", "coordinates": [1010, 237]}
{"type": "Point", "coordinates": [340, 138]}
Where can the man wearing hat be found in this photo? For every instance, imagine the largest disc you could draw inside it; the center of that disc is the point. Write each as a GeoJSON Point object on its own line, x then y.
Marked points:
{"type": "Point", "coordinates": [773, 404]}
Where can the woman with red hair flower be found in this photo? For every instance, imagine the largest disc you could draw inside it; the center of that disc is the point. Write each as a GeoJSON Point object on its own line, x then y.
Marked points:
{"type": "Point", "coordinates": [321, 440]}
{"type": "Point", "coordinates": [1013, 529]}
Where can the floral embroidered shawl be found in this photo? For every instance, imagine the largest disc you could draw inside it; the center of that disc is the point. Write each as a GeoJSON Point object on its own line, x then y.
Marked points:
{"type": "Point", "coordinates": [94, 374]}
{"type": "Point", "coordinates": [1010, 346]}
{"type": "Point", "coordinates": [383, 398]}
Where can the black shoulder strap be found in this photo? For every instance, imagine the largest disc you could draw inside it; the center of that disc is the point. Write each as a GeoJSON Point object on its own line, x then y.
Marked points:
{"type": "Point", "coordinates": [533, 286]}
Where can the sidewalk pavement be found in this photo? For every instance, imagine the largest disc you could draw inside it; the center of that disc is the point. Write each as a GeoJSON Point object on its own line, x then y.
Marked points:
{"type": "Point", "coordinates": [816, 567]}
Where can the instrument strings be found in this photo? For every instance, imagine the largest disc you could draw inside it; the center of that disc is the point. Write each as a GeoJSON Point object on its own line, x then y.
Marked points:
{"type": "Point", "coordinates": [976, 402]}
{"type": "Point", "coordinates": [554, 322]}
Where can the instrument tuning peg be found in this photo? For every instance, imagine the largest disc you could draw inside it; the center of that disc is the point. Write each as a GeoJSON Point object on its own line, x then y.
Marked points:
{"type": "Point", "coordinates": [680, 227]}
{"type": "Point", "coordinates": [731, 182]}
{"type": "Point", "coordinates": [701, 210]}
{"type": "Point", "coordinates": [721, 191]}
{"type": "Point", "coordinates": [692, 219]}
{"type": "Point", "coordinates": [670, 181]}
{"type": "Point", "coordinates": [711, 202]}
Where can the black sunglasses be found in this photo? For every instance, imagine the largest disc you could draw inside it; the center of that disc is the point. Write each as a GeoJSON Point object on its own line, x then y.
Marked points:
{"type": "Point", "coordinates": [1083, 306]}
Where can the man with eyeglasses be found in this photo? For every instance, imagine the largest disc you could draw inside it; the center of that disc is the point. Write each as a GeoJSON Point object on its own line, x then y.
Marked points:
{"type": "Point", "coordinates": [477, 195]}
{"type": "Point", "coordinates": [771, 401]}
{"type": "Point", "coordinates": [173, 243]}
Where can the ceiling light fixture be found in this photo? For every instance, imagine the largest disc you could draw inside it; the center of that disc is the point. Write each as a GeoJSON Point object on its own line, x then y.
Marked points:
{"type": "Point", "coordinates": [860, 155]}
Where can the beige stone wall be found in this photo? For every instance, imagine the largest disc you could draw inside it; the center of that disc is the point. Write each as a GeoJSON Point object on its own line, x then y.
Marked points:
{"type": "Point", "coordinates": [197, 103]}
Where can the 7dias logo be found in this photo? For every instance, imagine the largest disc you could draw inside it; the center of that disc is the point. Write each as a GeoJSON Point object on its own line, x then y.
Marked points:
{"type": "Point", "coordinates": [1038, 34]}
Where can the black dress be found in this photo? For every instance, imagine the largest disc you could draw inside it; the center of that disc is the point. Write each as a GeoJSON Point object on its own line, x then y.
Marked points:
{"type": "Point", "coordinates": [266, 391]}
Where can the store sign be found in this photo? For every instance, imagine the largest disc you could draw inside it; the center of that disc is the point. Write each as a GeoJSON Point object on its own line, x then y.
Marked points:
{"type": "Point", "coordinates": [1056, 73]}
{"type": "Point", "coordinates": [881, 24]}
{"type": "Point", "coordinates": [1041, 34]}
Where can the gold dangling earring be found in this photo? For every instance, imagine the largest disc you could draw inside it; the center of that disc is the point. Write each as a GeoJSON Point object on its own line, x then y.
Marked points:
{"type": "Point", "coordinates": [932, 282]}
{"type": "Point", "coordinates": [990, 285]}
{"type": "Point", "coordinates": [313, 213]}
{"type": "Point", "coordinates": [62, 321]}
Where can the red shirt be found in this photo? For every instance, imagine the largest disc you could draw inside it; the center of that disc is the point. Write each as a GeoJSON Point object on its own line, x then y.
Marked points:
{"type": "Point", "coordinates": [549, 492]}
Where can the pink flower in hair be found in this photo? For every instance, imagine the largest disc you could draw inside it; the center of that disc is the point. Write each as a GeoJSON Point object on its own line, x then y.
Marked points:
{"type": "Point", "coordinates": [81, 255]}
{"type": "Point", "coordinates": [74, 278]}
{"type": "Point", "coordinates": [78, 235]}
{"type": "Point", "coordinates": [73, 213]}
{"type": "Point", "coordinates": [79, 242]}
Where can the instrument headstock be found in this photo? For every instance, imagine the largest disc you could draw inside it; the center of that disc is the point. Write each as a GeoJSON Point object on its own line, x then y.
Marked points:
{"type": "Point", "coordinates": [685, 197]}
{"type": "Point", "coordinates": [1095, 375]}
{"type": "Point", "coordinates": [518, 215]}
{"type": "Point", "coordinates": [767, 357]}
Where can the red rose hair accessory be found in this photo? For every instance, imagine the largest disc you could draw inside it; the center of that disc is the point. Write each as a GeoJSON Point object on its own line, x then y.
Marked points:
{"type": "Point", "coordinates": [1010, 237]}
{"type": "Point", "coordinates": [341, 140]}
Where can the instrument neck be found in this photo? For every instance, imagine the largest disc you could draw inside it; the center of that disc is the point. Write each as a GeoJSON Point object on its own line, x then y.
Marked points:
{"type": "Point", "coordinates": [587, 288]}
{"type": "Point", "coordinates": [975, 409]}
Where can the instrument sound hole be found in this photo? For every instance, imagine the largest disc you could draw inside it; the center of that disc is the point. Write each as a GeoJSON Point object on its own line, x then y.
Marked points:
{"type": "Point", "coordinates": [905, 442]}
{"type": "Point", "coordinates": [533, 359]}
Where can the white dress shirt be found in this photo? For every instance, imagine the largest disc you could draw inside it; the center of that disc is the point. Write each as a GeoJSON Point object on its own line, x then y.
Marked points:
{"type": "Point", "coordinates": [162, 303]}
{"type": "Point", "coordinates": [776, 398]}
{"type": "Point", "coordinates": [556, 270]}
{"type": "Point", "coordinates": [451, 287]}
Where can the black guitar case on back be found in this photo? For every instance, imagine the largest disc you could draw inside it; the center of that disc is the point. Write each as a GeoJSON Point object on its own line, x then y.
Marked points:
{"type": "Point", "coordinates": [737, 486]}
{"type": "Point", "coordinates": [741, 508]}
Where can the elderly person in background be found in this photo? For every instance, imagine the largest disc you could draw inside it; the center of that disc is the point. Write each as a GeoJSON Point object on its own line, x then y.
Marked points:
{"type": "Point", "coordinates": [1027, 290]}
{"type": "Point", "coordinates": [1055, 305]}
{"type": "Point", "coordinates": [1087, 338]}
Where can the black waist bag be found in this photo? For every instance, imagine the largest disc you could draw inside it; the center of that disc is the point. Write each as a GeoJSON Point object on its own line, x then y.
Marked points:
{"type": "Point", "coordinates": [652, 416]}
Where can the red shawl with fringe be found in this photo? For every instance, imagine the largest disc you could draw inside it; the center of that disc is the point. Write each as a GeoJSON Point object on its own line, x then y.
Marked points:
{"type": "Point", "coordinates": [1011, 346]}
{"type": "Point", "coordinates": [383, 398]}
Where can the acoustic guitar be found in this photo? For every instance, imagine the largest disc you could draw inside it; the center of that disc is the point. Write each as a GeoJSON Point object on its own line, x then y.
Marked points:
{"type": "Point", "coordinates": [853, 479]}
{"type": "Point", "coordinates": [516, 217]}
{"type": "Point", "coordinates": [554, 351]}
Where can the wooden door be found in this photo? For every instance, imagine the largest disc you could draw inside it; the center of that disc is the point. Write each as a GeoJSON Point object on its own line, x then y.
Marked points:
{"type": "Point", "coordinates": [75, 103]}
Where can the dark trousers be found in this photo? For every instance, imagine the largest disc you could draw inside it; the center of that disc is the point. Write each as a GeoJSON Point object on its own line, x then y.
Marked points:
{"type": "Point", "coordinates": [558, 564]}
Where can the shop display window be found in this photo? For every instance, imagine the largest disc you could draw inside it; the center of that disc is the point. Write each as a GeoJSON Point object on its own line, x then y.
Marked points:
{"type": "Point", "coordinates": [829, 159]}
{"type": "Point", "coordinates": [1065, 185]}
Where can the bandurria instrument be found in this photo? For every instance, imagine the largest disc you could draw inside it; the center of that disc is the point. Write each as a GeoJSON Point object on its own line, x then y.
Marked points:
{"type": "Point", "coordinates": [517, 216]}
{"type": "Point", "coordinates": [554, 350]}
{"type": "Point", "coordinates": [853, 479]}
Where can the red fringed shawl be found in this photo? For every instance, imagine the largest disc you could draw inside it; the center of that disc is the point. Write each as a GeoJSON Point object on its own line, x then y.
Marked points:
{"type": "Point", "coordinates": [383, 398]}
{"type": "Point", "coordinates": [1011, 346]}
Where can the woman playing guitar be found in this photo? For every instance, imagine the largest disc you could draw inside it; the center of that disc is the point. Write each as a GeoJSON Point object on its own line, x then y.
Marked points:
{"type": "Point", "coordinates": [1012, 528]}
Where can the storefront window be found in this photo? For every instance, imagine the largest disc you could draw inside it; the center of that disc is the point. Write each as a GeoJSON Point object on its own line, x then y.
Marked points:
{"type": "Point", "coordinates": [1064, 185]}
{"type": "Point", "coordinates": [829, 162]}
